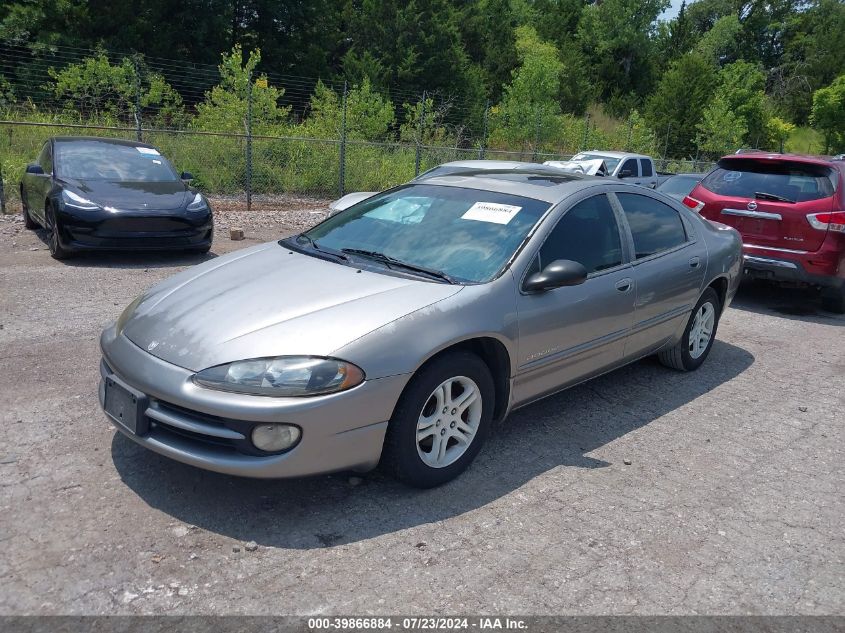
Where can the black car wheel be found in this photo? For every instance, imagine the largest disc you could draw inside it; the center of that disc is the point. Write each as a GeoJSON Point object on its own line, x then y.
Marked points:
{"type": "Point", "coordinates": [693, 348]}
{"type": "Point", "coordinates": [440, 421]}
{"type": "Point", "coordinates": [28, 222]}
{"type": "Point", "coordinates": [833, 300]}
{"type": "Point", "coordinates": [54, 237]}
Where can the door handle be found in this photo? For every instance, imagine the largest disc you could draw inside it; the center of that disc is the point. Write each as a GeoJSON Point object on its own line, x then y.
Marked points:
{"type": "Point", "coordinates": [624, 285]}
{"type": "Point", "coordinates": [694, 262]}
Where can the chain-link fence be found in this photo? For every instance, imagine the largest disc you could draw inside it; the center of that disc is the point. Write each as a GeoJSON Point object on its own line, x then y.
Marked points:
{"type": "Point", "coordinates": [249, 137]}
{"type": "Point", "coordinates": [250, 170]}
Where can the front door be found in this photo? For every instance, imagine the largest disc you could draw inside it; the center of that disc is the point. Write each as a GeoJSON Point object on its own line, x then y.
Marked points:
{"type": "Point", "coordinates": [569, 334]}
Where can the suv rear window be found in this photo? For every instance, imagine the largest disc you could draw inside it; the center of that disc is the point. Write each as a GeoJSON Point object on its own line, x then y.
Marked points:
{"type": "Point", "coordinates": [796, 182]}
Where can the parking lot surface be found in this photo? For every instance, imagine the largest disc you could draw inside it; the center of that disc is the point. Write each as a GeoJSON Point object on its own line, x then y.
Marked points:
{"type": "Point", "coordinates": [645, 491]}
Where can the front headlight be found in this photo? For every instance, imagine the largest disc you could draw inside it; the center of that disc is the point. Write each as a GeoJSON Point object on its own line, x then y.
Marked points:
{"type": "Point", "coordinates": [78, 202]}
{"type": "Point", "coordinates": [282, 376]}
{"type": "Point", "coordinates": [198, 203]}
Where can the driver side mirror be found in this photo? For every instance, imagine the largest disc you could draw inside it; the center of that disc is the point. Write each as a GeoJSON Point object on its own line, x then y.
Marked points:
{"type": "Point", "coordinates": [561, 272]}
{"type": "Point", "coordinates": [186, 175]}
{"type": "Point", "coordinates": [625, 173]}
{"type": "Point", "coordinates": [34, 168]}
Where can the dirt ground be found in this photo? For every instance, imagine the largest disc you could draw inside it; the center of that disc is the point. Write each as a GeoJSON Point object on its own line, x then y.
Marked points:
{"type": "Point", "coordinates": [645, 491]}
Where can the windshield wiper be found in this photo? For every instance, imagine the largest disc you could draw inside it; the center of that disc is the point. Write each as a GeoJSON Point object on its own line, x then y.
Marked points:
{"type": "Point", "coordinates": [762, 195]}
{"type": "Point", "coordinates": [307, 239]}
{"type": "Point", "coordinates": [392, 261]}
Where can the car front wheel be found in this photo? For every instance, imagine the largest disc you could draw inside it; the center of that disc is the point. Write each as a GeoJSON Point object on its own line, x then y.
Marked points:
{"type": "Point", "coordinates": [691, 351]}
{"type": "Point", "coordinates": [440, 421]}
{"type": "Point", "coordinates": [54, 239]}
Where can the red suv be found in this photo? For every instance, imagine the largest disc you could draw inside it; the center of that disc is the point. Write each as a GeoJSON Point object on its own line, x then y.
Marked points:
{"type": "Point", "coordinates": [790, 211]}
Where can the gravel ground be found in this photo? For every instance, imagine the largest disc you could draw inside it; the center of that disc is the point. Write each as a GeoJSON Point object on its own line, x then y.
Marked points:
{"type": "Point", "coordinates": [645, 491]}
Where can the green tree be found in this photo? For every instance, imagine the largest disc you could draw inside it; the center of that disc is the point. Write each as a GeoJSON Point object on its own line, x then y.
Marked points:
{"type": "Point", "coordinates": [369, 116]}
{"type": "Point", "coordinates": [721, 130]}
{"type": "Point", "coordinates": [778, 131]}
{"type": "Point", "coordinates": [722, 43]}
{"type": "Point", "coordinates": [97, 86]}
{"type": "Point", "coordinates": [530, 105]}
{"type": "Point", "coordinates": [676, 106]}
{"type": "Point", "coordinates": [225, 106]}
{"type": "Point", "coordinates": [741, 87]}
{"type": "Point", "coordinates": [615, 37]}
{"type": "Point", "coordinates": [828, 115]}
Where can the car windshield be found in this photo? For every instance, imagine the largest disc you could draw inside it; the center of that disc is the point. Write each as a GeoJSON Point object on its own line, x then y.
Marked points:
{"type": "Point", "coordinates": [101, 160]}
{"type": "Point", "coordinates": [679, 184]}
{"type": "Point", "coordinates": [610, 162]}
{"type": "Point", "coordinates": [789, 182]}
{"type": "Point", "coordinates": [467, 234]}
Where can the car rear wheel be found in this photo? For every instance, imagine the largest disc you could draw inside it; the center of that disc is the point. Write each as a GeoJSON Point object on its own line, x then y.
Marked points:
{"type": "Point", "coordinates": [28, 222]}
{"type": "Point", "coordinates": [440, 421]}
{"type": "Point", "coordinates": [54, 236]}
{"type": "Point", "coordinates": [691, 351]}
{"type": "Point", "coordinates": [833, 300]}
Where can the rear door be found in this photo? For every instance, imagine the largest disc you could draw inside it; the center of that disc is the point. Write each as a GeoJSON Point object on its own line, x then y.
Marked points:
{"type": "Point", "coordinates": [669, 265]}
{"type": "Point", "coordinates": [647, 176]}
{"type": "Point", "coordinates": [768, 200]}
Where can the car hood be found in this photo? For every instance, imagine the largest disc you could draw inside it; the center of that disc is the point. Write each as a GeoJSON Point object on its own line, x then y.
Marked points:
{"type": "Point", "coordinates": [153, 196]}
{"type": "Point", "coordinates": [269, 301]}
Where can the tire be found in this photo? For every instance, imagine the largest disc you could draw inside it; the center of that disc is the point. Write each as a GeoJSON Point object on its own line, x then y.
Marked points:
{"type": "Point", "coordinates": [28, 222]}
{"type": "Point", "coordinates": [414, 461]}
{"type": "Point", "coordinates": [687, 355]}
{"type": "Point", "coordinates": [54, 237]}
{"type": "Point", "coordinates": [833, 300]}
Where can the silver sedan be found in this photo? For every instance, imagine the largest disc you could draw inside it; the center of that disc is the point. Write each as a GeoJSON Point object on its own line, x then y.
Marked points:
{"type": "Point", "coordinates": [396, 331]}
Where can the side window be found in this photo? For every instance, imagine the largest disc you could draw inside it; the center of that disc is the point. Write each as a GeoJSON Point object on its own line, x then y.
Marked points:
{"type": "Point", "coordinates": [631, 166]}
{"type": "Point", "coordinates": [45, 159]}
{"type": "Point", "coordinates": [588, 234]}
{"type": "Point", "coordinates": [645, 165]}
{"type": "Point", "coordinates": [655, 226]}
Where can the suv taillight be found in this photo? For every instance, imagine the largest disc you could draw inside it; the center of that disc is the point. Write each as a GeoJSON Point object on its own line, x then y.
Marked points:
{"type": "Point", "coordinates": [692, 203]}
{"type": "Point", "coordinates": [829, 221]}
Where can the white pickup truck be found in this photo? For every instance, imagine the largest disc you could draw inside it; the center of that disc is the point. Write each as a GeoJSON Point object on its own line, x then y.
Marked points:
{"type": "Point", "coordinates": [637, 169]}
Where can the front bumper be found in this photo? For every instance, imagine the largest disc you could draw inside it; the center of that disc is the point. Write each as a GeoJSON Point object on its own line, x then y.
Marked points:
{"type": "Point", "coordinates": [210, 429]}
{"type": "Point", "coordinates": [100, 230]}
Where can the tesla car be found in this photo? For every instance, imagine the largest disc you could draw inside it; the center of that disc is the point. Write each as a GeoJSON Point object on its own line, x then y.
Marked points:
{"type": "Point", "coordinates": [109, 194]}
{"type": "Point", "coordinates": [399, 329]}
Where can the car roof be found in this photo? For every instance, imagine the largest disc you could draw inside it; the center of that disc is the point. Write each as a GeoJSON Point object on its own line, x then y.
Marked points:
{"type": "Point", "coordinates": [612, 154]}
{"type": "Point", "coordinates": [775, 157]}
{"type": "Point", "coordinates": [546, 184]}
{"type": "Point", "coordinates": [99, 139]}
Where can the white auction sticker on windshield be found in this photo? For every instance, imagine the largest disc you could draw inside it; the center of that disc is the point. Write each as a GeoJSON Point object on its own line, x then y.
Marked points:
{"type": "Point", "coordinates": [491, 212]}
{"type": "Point", "coordinates": [148, 150]}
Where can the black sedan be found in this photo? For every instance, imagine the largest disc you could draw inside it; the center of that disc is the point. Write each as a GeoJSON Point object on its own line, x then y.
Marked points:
{"type": "Point", "coordinates": [109, 194]}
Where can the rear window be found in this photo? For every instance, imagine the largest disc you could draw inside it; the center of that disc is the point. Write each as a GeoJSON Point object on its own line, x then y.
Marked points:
{"type": "Point", "coordinates": [796, 182]}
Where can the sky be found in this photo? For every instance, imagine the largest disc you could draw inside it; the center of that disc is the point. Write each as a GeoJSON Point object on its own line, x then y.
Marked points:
{"type": "Point", "coordinates": [672, 11]}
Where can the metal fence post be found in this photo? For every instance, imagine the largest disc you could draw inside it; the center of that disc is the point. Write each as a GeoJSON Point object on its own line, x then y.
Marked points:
{"type": "Point", "coordinates": [2, 193]}
{"type": "Point", "coordinates": [420, 131]}
{"type": "Point", "coordinates": [249, 143]}
{"type": "Point", "coordinates": [630, 133]}
{"type": "Point", "coordinates": [137, 67]}
{"type": "Point", "coordinates": [666, 142]}
{"type": "Point", "coordinates": [342, 175]}
{"type": "Point", "coordinates": [484, 131]}
{"type": "Point", "coordinates": [586, 131]}
{"type": "Point", "coordinates": [536, 134]}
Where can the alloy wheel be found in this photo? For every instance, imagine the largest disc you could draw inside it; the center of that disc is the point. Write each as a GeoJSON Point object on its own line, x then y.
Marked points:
{"type": "Point", "coordinates": [449, 421]}
{"type": "Point", "coordinates": [701, 330]}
